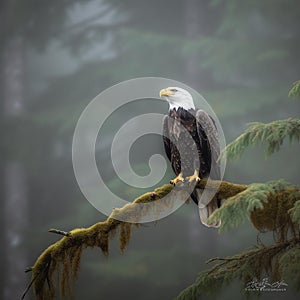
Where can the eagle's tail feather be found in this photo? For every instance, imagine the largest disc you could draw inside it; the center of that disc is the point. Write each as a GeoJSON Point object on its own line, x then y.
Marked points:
{"type": "Point", "coordinates": [206, 210]}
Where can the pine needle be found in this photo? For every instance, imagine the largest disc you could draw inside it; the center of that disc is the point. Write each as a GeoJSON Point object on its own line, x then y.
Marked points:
{"type": "Point", "coordinates": [272, 135]}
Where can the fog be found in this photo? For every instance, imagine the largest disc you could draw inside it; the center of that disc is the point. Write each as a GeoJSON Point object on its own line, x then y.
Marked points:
{"type": "Point", "coordinates": [56, 56]}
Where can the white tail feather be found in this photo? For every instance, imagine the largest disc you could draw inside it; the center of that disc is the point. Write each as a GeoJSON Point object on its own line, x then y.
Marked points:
{"type": "Point", "coordinates": [206, 210]}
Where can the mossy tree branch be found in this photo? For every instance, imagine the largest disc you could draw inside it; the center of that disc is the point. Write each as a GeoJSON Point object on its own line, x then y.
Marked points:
{"type": "Point", "coordinates": [65, 254]}
{"type": "Point", "coordinates": [268, 206]}
{"type": "Point", "coordinates": [273, 206]}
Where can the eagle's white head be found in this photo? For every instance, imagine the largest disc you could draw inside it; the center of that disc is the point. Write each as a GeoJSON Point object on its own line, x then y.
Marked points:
{"type": "Point", "coordinates": [177, 97]}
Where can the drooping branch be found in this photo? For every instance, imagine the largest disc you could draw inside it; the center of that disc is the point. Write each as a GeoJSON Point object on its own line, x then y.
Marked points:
{"type": "Point", "coordinates": [271, 134]}
{"type": "Point", "coordinates": [65, 254]}
{"type": "Point", "coordinates": [272, 260]}
{"type": "Point", "coordinates": [271, 206]}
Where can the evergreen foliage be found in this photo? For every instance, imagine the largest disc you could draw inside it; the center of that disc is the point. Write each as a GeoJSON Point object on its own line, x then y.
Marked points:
{"type": "Point", "coordinates": [289, 265]}
{"type": "Point", "coordinates": [295, 90]}
{"type": "Point", "coordinates": [236, 54]}
{"type": "Point", "coordinates": [278, 261]}
{"type": "Point", "coordinates": [295, 211]}
{"type": "Point", "coordinates": [273, 206]}
{"type": "Point", "coordinates": [270, 134]}
{"type": "Point", "coordinates": [252, 199]}
{"type": "Point", "coordinates": [269, 206]}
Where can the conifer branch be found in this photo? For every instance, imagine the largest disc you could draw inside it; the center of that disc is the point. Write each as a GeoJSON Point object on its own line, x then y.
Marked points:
{"type": "Point", "coordinates": [295, 211]}
{"type": "Point", "coordinates": [273, 206]}
{"type": "Point", "coordinates": [295, 90]}
{"type": "Point", "coordinates": [65, 254]}
{"type": "Point", "coordinates": [274, 260]}
{"type": "Point", "coordinates": [270, 134]}
{"type": "Point", "coordinates": [267, 205]}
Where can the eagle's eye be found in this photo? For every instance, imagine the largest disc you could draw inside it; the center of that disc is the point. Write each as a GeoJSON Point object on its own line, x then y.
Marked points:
{"type": "Point", "coordinates": [173, 90]}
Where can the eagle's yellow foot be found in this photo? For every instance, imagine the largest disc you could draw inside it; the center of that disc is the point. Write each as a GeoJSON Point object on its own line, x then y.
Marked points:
{"type": "Point", "coordinates": [177, 179]}
{"type": "Point", "coordinates": [195, 177]}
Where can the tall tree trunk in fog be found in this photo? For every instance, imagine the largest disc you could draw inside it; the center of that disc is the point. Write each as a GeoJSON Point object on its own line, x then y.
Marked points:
{"type": "Point", "coordinates": [200, 238]}
{"type": "Point", "coordinates": [15, 194]}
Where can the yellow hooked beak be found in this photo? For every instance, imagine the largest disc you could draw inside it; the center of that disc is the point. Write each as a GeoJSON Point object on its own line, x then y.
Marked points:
{"type": "Point", "coordinates": [165, 92]}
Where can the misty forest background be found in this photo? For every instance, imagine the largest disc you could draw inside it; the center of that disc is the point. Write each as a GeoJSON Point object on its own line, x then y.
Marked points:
{"type": "Point", "coordinates": [56, 56]}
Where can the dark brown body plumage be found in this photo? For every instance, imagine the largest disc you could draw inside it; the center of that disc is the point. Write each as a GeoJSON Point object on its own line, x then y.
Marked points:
{"type": "Point", "coordinates": [202, 129]}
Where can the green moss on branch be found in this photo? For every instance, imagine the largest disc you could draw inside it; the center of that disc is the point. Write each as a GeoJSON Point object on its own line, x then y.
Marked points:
{"type": "Point", "coordinates": [65, 254]}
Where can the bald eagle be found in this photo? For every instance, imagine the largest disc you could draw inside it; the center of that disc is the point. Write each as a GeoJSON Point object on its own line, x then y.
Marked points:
{"type": "Point", "coordinates": [182, 123]}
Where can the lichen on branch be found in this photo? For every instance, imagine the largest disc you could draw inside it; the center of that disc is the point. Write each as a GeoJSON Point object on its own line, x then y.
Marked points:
{"type": "Point", "coordinates": [270, 206]}
{"type": "Point", "coordinates": [64, 255]}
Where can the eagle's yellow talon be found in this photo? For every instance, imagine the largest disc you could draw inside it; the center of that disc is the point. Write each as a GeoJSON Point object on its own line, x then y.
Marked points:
{"type": "Point", "coordinates": [195, 177]}
{"type": "Point", "coordinates": [177, 179]}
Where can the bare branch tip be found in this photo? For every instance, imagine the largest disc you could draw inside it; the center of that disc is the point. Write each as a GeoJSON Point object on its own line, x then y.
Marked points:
{"type": "Point", "coordinates": [28, 269]}
{"type": "Point", "coordinates": [60, 232]}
